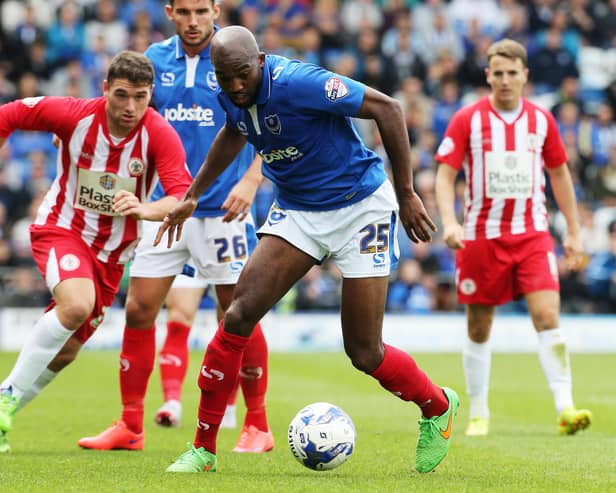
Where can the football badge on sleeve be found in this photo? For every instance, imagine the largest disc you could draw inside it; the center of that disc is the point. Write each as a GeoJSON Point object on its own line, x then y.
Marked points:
{"type": "Point", "coordinates": [335, 89]}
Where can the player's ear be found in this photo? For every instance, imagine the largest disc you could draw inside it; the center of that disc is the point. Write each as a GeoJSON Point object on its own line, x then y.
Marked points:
{"type": "Point", "coordinates": [169, 11]}
{"type": "Point", "coordinates": [105, 86]}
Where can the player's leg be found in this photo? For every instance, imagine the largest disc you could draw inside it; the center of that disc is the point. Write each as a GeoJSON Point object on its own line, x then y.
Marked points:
{"type": "Point", "coordinates": [67, 355]}
{"type": "Point", "coordinates": [76, 276]}
{"type": "Point", "coordinates": [484, 281]}
{"type": "Point", "coordinates": [65, 264]}
{"type": "Point", "coordinates": [182, 303]}
{"type": "Point", "coordinates": [229, 420]}
{"type": "Point", "coordinates": [151, 274]}
{"type": "Point", "coordinates": [394, 369]}
{"type": "Point", "coordinates": [544, 307]}
{"type": "Point", "coordinates": [276, 264]}
{"type": "Point", "coordinates": [365, 249]}
{"type": "Point", "coordinates": [477, 361]}
{"type": "Point", "coordinates": [256, 435]}
{"type": "Point", "coordinates": [143, 301]}
{"type": "Point", "coordinates": [537, 279]}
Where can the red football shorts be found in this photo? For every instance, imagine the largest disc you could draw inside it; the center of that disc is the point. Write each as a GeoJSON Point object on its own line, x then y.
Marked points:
{"type": "Point", "coordinates": [61, 254]}
{"type": "Point", "coordinates": [496, 271]}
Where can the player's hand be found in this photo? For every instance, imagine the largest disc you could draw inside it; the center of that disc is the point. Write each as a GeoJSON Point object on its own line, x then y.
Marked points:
{"type": "Point", "coordinates": [174, 220]}
{"type": "Point", "coordinates": [239, 200]}
{"type": "Point", "coordinates": [574, 252]}
{"type": "Point", "coordinates": [453, 234]}
{"type": "Point", "coordinates": [127, 204]}
{"type": "Point", "coordinates": [415, 219]}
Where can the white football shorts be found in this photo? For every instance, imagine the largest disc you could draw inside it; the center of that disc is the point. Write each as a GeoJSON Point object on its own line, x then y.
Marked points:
{"type": "Point", "coordinates": [362, 239]}
{"type": "Point", "coordinates": [216, 250]}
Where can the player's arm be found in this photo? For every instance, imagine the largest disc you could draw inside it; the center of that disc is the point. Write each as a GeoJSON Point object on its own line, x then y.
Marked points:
{"type": "Point", "coordinates": [226, 146]}
{"type": "Point", "coordinates": [562, 187]}
{"type": "Point", "coordinates": [223, 150]}
{"type": "Point", "coordinates": [389, 118]}
{"type": "Point", "coordinates": [128, 204]}
{"type": "Point", "coordinates": [453, 234]}
{"type": "Point", "coordinates": [45, 114]}
{"type": "Point", "coordinates": [241, 196]}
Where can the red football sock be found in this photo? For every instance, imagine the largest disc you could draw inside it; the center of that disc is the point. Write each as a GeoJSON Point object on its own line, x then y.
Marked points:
{"type": "Point", "coordinates": [399, 374]}
{"type": "Point", "coordinates": [253, 379]}
{"type": "Point", "coordinates": [173, 360]}
{"type": "Point", "coordinates": [233, 395]}
{"type": "Point", "coordinates": [217, 378]}
{"type": "Point", "coordinates": [136, 364]}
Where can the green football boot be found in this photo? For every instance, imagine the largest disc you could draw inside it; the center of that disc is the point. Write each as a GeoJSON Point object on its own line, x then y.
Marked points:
{"type": "Point", "coordinates": [8, 406]}
{"type": "Point", "coordinates": [194, 460]}
{"type": "Point", "coordinates": [435, 435]}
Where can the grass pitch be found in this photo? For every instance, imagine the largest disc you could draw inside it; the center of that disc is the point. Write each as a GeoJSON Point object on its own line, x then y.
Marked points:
{"type": "Point", "coordinates": [522, 452]}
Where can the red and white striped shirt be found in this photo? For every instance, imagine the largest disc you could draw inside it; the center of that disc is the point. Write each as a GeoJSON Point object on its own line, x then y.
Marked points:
{"type": "Point", "coordinates": [92, 167]}
{"type": "Point", "coordinates": [504, 167]}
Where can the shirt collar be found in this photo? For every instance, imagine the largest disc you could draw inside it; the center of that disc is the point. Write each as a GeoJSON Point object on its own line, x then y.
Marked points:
{"type": "Point", "coordinates": [266, 85]}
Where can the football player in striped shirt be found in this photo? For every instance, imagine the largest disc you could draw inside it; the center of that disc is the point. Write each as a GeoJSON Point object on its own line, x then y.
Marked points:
{"type": "Point", "coordinates": [504, 250]}
{"type": "Point", "coordinates": [113, 150]}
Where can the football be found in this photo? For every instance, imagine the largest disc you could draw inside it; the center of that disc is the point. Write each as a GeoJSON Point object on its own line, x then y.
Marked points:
{"type": "Point", "coordinates": [321, 436]}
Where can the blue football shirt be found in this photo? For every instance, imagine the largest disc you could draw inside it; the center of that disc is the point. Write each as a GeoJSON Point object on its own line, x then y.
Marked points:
{"type": "Point", "coordinates": [301, 127]}
{"type": "Point", "coordinates": [185, 94]}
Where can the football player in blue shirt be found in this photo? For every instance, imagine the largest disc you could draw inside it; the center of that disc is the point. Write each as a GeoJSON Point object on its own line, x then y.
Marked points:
{"type": "Point", "coordinates": [219, 237]}
{"type": "Point", "coordinates": [333, 199]}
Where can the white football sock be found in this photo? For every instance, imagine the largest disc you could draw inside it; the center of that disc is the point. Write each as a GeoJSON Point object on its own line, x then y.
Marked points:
{"type": "Point", "coordinates": [554, 358]}
{"type": "Point", "coordinates": [477, 359]}
{"type": "Point", "coordinates": [41, 382]}
{"type": "Point", "coordinates": [43, 343]}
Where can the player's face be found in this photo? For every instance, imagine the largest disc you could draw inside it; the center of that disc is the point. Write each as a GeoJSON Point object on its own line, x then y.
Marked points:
{"type": "Point", "coordinates": [126, 105]}
{"type": "Point", "coordinates": [240, 78]}
{"type": "Point", "coordinates": [194, 22]}
{"type": "Point", "coordinates": [507, 78]}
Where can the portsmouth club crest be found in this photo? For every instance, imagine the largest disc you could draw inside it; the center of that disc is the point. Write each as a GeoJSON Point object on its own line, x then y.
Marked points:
{"type": "Point", "coordinates": [272, 123]}
{"type": "Point", "coordinates": [107, 182]}
{"type": "Point", "coordinates": [136, 167]}
{"type": "Point", "coordinates": [210, 78]}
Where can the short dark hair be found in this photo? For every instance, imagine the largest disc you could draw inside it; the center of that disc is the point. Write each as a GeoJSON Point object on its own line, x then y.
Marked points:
{"type": "Point", "coordinates": [213, 2]}
{"type": "Point", "coordinates": [132, 66]}
{"type": "Point", "coordinates": [611, 228]}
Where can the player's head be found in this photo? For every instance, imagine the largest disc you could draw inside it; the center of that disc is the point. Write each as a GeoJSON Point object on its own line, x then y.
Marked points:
{"type": "Point", "coordinates": [238, 64]}
{"type": "Point", "coordinates": [194, 22]}
{"type": "Point", "coordinates": [507, 73]}
{"type": "Point", "coordinates": [128, 90]}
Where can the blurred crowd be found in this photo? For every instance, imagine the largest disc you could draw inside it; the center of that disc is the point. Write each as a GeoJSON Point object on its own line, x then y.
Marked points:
{"type": "Point", "coordinates": [430, 55]}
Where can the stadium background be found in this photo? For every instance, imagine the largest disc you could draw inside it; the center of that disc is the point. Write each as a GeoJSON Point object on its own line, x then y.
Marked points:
{"type": "Point", "coordinates": [430, 55]}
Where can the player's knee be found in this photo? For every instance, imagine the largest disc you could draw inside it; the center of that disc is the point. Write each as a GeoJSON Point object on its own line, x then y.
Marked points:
{"type": "Point", "coordinates": [545, 318]}
{"type": "Point", "coordinates": [74, 313]}
{"type": "Point", "coordinates": [239, 320]}
{"type": "Point", "coordinates": [140, 313]}
{"type": "Point", "coordinates": [478, 333]}
{"type": "Point", "coordinates": [364, 358]}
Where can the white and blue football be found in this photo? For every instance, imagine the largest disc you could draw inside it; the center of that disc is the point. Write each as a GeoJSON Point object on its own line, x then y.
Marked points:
{"type": "Point", "coordinates": [321, 436]}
